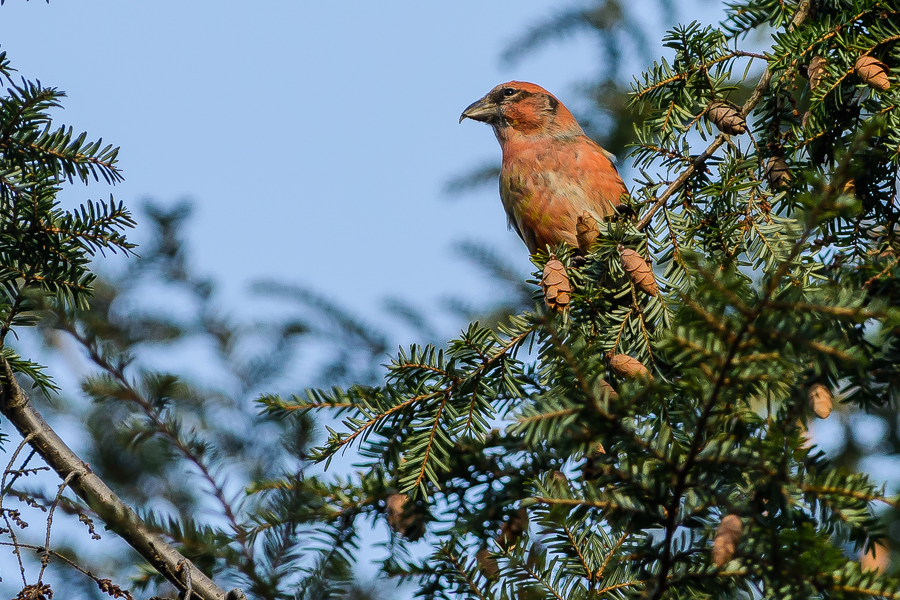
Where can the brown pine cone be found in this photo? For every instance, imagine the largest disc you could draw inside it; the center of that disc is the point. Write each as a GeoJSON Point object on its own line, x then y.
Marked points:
{"type": "Point", "coordinates": [556, 286]}
{"type": "Point", "coordinates": [402, 519]}
{"type": "Point", "coordinates": [815, 71]}
{"type": "Point", "coordinates": [727, 117]}
{"type": "Point", "coordinates": [778, 173]}
{"type": "Point", "coordinates": [877, 559]}
{"type": "Point", "coordinates": [727, 537]}
{"type": "Point", "coordinates": [586, 232]}
{"type": "Point", "coordinates": [608, 391]}
{"type": "Point", "coordinates": [487, 564]}
{"type": "Point", "coordinates": [512, 530]}
{"type": "Point", "coordinates": [820, 400]}
{"type": "Point", "coordinates": [638, 271]}
{"type": "Point", "coordinates": [628, 367]}
{"type": "Point", "coordinates": [873, 73]}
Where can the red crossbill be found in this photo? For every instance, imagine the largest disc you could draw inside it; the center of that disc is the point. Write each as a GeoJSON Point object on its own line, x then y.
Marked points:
{"type": "Point", "coordinates": [552, 172]}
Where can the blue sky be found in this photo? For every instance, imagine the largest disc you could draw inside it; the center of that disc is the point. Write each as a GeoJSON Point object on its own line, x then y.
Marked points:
{"type": "Point", "coordinates": [314, 138]}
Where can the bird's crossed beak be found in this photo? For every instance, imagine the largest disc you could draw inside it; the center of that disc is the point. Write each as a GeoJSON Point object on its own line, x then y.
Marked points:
{"type": "Point", "coordinates": [482, 110]}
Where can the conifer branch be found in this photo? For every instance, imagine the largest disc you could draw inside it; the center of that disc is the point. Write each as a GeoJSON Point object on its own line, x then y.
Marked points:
{"type": "Point", "coordinates": [547, 585]}
{"type": "Point", "coordinates": [17, 407]}
{"type": "Point", "coordinates": [698, 163]}
{"type": "Point", "coordinates": [453, 559]}
{"type": "Point", "coordinates": [602, 568]}
{"type": "Point", "coordinates": [573, 543]}
{"type": "Point", "coordinates": [603, 505]}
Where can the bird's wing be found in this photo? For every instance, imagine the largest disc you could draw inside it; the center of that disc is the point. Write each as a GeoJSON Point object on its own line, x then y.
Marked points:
{"type": "Point", "coordinates": [509, 196]}
{"type": "Point", "coordinates": [514, 191]}
{"type": "Point", "coordinates": [600, 179]}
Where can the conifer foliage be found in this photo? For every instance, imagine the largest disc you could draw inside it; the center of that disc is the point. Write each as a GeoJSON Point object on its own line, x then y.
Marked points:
{"type": "Point", "coordinates": [653, 429]}
{"type": "Point", "coordinates": [45, 250]}
{"type": "Point", "coordinates": [641, 432]}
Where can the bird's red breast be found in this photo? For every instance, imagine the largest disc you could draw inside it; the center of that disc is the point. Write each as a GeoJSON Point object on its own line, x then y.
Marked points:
{"type": "Point", "coordinates": [552, 172]}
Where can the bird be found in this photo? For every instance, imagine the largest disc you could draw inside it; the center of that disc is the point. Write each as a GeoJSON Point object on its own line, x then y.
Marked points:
{"type": "Point", "coordinates": [552, 173]}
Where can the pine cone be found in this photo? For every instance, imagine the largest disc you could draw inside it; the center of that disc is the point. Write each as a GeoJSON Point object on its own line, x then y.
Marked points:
{"type": "Point", "coordinates": [557, 289]}
{"type": "Point", "coordinates": [877, 559]}
{"type": "Point", "coordinates": [513, 529]}
{"type": "Point", "coordinates": [592, 468]}
{"type": "Point", "coordinates": [401, 518]}
{"type": "Point", "coordinates": [820, 400]}
{"type": "Point", "coordinates": [628, 367]}
{"type": "Point", "coordinates": [804, 119]}
{"type": "Point", "coordinates": [608, 391]}
{"type": "Point", "coordinates": [727, 117]}
{"type": "Point", "coordinates": [873, 73]}
{"type": "Point", "coordinates": [638, 271]}
{"type": "Point", "coordinates": [777, 172]}
{"type": "Point", "coordinates": [586, 232]}
{"type": "Point", "coordinates": [727, 537]}
{"type": "Point", "coordinates": [815, 71]}
{"type": "Point", "coordinates": [849, 188]}
{"type": "Point", "coordinates": [487, 564]}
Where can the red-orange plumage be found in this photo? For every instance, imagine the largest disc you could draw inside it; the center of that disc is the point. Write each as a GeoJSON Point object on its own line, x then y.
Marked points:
{"type": "Point", "coordinates": [552, 172]}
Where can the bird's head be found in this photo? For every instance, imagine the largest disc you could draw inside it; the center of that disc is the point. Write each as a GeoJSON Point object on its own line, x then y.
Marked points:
{"type": "Point", "coordinates": [525, 109]}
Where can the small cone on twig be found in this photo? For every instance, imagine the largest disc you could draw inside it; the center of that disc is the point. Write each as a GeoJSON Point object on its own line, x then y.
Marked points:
{"type": "Point", "coordinates": [628, 367]}
{"type": "Point", "coordinates": [778, 173]}
{"type": "Point", "coordinates": [815, 71]}
{"type": "Point", "coordinates": [487, 564]}
{"type": "Point", "coordinates": [727, 537]}
{"type": "Point", "coordinates": [849, 188]}
{"type": "Point", "coordinates": [396, 517]}
{"type": "Point", "coordinates": [877, 559]}
{"type": "Point", "coordinates": [556, 286]}
{"type": "Point", "coordinates": [873, 73]}
{"type": "Point", "coordinates": [727, 117]}
{"type": "Point", "coordinates": [593, 467]}
{"type": "Point", "coordinates": [608, 391]}
{"type": "Point", "coordinates": [402, 520]}
{"type": "Point", "coordinates": [513, 529]}
{"type": "Point", "coordinates": [638, 271]}
{"type": "Point", "coordinates": [560, 477]}
{"type": "Point", "coordinates": [820, 400]}
{"type": "Point", "coordinates": [586, 232]}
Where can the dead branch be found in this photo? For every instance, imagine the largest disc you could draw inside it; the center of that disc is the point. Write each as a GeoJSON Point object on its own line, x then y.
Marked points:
{"type": "Point", "coordinates": [118, 516]}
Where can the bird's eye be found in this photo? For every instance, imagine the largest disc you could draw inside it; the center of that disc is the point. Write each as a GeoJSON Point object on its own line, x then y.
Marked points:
{"type": "Point", "coordinates": [508, 92]}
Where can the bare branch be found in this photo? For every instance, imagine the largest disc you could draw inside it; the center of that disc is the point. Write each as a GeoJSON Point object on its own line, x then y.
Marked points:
{"type": "Point", "coordinates": [118, 516]}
